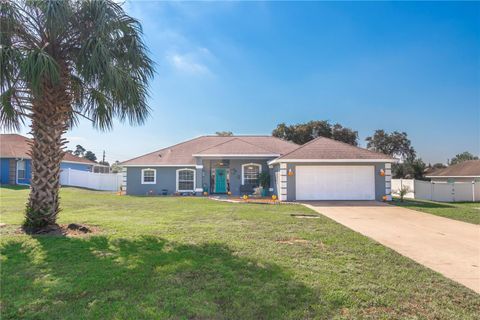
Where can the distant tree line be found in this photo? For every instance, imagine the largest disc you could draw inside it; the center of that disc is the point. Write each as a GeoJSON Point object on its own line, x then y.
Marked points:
{"type": "Point", "coordinates": [395, 144]}
{"type": "Point", "coordinates": [81, 152]}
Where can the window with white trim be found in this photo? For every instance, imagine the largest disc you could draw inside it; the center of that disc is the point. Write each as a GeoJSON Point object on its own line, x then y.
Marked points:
{"type": "Point", "coordinates": [149, 176]}
{"type": "Point", "coordinates": [21, 169]}
{"type": "Point", "coordinates": [250, 173]}
{"type": "Point", "coordinates": [185, 180]}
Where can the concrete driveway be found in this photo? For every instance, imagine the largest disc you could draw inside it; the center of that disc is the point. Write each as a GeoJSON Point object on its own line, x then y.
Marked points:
{"type": "Point", "coordinates": [447, 246]}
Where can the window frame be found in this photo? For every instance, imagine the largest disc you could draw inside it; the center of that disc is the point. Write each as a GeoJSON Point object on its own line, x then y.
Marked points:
{"type": "Point", "coordinates": [250, 164]}
{"type": "Point", "coordinates": [154, 176]}
{"type": "Point", "coordinates": [178, 179]}
{"type": "Point", "coordinates": [24, 170]}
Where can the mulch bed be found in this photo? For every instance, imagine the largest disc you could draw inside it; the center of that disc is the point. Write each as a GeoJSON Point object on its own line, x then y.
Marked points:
{"type": "Point", "coordinates": [65, 230]}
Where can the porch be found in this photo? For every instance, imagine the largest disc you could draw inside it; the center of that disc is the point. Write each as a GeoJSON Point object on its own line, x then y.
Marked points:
{"type": "Point", "coordinates": [234, 177]}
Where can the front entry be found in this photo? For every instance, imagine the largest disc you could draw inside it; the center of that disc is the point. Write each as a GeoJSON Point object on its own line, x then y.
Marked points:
{"type": "Point", "coordinates": [220, 180]}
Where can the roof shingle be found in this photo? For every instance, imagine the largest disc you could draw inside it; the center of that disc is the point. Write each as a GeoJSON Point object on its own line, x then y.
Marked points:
{"type": "Point", "coordinates": [182, 153]}
{"type": "Point", "coordinates": [324, 149]}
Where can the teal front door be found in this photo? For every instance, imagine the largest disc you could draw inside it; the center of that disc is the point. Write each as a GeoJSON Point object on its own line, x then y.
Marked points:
{"type": "Point", "coordinates": [220, 180]}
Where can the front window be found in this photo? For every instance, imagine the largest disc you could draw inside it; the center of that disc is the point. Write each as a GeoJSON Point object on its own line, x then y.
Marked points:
{"type": "Point", "coordinates": [149, 176]}
{"type": "Point", "coordinates": [250, 173]}
{"type": "Point", "coordinates": [21, 169]}
{"type": "Point", "coordinates": [186, 180]}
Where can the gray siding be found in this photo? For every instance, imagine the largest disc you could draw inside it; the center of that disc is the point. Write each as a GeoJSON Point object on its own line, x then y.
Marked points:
{"type": "Point", "coordinates": [166, 179]}
{"type": "Point", "coordinates": [379, 180]}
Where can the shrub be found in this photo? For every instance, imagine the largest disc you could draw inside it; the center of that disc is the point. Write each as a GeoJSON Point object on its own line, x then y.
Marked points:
{"type": "Point", "coordinates": [402, 192]}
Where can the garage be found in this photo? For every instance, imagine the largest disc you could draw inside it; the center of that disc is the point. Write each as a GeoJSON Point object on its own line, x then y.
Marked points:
{"type": "Point", "coordinates": [335, 182]}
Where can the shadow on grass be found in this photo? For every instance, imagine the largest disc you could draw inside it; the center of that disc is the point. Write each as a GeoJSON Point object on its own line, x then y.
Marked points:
{"type": "Point", "coordinates": [422, 204]}
{"type": "Point", "coordinates": [14, 187]}
{"type": "Point", "coordinates": [145, 277]}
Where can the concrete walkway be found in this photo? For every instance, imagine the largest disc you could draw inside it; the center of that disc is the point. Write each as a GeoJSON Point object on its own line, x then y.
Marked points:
{"type": "Point", "coordinates": [447, 246]}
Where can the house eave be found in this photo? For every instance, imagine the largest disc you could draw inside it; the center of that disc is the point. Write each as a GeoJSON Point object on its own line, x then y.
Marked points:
{"type": "Point", "coordinates": [430, 177]}
{"type": "Point", "coordinates": [158, 165]}
{"type": "Point", "coordinates": [274, 161]}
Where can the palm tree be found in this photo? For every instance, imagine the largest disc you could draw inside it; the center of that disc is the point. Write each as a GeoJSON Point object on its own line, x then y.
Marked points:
{"type": "Point", "coordinates": [61, 60]}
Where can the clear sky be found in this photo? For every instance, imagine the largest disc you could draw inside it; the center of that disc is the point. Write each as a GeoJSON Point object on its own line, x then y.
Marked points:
{"type": "Point", "coordinates": [245, 67]}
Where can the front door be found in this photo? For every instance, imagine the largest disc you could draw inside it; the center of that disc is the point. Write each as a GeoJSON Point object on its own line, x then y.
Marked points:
{"type": "Point", "coordinates": [220, 180]}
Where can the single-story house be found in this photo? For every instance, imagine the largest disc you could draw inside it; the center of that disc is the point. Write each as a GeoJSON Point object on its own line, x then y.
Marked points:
{"type": "Point", "coordinates": [323, 169]}
{"type": "Point", "coordinates": [465, 171]}
{"type": "Point", "coordinates": [15, 161]}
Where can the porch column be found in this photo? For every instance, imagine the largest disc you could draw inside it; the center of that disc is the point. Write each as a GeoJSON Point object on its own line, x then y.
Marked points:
{"type": "Point", "coordinates": [282, 193]}
{"type": "Point", "coordinates": [388, 181]}
{"type": "Point", "coordinates": [199, 176]}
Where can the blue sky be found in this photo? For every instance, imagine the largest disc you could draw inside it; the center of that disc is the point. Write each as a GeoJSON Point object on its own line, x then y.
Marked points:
{"type": "Point", "coordinates": [245, 67]}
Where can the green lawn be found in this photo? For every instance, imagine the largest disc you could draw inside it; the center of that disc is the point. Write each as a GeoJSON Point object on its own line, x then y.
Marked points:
{"type": "Point", "coordinates": [463, 211]}
{"type": "Point", "coordinates": [194, 258]}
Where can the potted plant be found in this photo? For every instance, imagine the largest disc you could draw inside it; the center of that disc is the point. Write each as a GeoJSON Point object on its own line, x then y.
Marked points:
{"type": "Point", "coordinates": [264, 180]}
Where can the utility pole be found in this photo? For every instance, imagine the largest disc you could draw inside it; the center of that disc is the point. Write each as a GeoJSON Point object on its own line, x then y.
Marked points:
{"type": "Point", "coordinates": [103, 158]}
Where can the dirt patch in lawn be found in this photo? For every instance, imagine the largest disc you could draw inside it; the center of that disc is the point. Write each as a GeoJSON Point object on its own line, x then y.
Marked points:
{"type": "Point", "coordinates": [305, 216]}
{"type": "Point", "coordinates": [65, 230]}
{"type": "Point", "coordinates": [293, 241]}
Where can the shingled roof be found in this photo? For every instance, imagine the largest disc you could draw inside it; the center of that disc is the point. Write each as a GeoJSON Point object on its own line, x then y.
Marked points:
{"type": "Point", "coordinates": [18, 146]}
{"type": "Point", "coordinates": [183, 153]}
{"type": "Point", "coordinates": [468, 168]}
{"type": "Point", "coordinates": [328, 149]}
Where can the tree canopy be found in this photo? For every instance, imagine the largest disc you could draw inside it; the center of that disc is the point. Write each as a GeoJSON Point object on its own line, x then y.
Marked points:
{"type": "Point", "coordinates": [395, 144]}
{"type": "Point", "coordinates": [463, 157]}
{"type": "Point", "coordinates": [224, 133]}
{"type": "Point", "coordinates": [90, 156]}
{"type": "Point", "coordinates": [79, 151]}
{"type": "Point", "coordinates": [91, 50]}
{"type": "Point", "coordinates": [301, 133]}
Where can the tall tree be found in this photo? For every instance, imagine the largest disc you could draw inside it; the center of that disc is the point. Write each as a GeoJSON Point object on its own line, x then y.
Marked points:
{"type": "Point", "coordinates": [90, 156]}
{"type": "Point", "coordinates": [60, 60]}
{"type": "Point", "coordinates": [409, 169]}
{"type": "Point", "coordinates": [303, 132]}
{"type": "Point", "coordinates": [463, 157]}
{"type": "Point", "coordinates": [395, 144]}
{"type": "Point", "coordinates": [79, 151]}
{"type": "Point", "coordinates": [224, 133]}
{"type": "Point", "coordinates": [343, 134]}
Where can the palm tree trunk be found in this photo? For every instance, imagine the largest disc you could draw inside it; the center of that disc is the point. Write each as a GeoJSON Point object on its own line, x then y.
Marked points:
{"type": "Point", "coordinates": [49, 116]}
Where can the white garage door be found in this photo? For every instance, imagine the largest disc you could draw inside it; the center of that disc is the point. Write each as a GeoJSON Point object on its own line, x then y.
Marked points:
{"type": "Point", "coordinates": [335, 182]}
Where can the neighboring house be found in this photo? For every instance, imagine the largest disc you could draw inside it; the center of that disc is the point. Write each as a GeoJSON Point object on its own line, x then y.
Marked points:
{"type": "Point", "coordinates": [322, 169]}
{"type": "Point", "coordinates": [465, 171]}
{"type": "Point", "coordinates": [15, 162]}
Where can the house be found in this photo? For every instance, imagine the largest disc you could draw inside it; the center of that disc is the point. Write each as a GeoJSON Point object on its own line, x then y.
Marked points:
{"type": "Point", "coordinates": [465, 171]}
{"type": "Point", "coordinates": [15, 162]}
{"type": "Point", "coordinates": [322, 169]}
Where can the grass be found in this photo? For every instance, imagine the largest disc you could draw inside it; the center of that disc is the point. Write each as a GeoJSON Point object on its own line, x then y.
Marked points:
{"type": "Point", "coordinates": [463, 211]}
{"type": "Point", "coordinates": [194, 258]}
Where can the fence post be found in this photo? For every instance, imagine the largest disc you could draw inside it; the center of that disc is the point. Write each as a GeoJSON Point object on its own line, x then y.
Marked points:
{"type": "Point", "coordinates": [453, 191]}
{"type": "Point", "coordinates": [473, 191]}
{"type": "Point", "coordinates": [432, 189]}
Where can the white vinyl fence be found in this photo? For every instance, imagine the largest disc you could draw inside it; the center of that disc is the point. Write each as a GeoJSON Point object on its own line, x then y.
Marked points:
{"type": "Point", "coordinates": [439, 191]}
{"type": "Point", "coordinates": [91, 180]}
